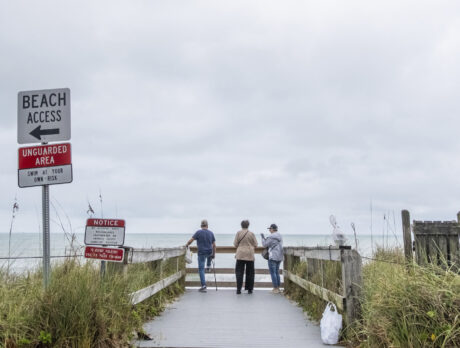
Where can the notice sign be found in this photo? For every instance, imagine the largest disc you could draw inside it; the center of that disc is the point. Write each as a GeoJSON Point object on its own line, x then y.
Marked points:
{"type": "Point", "coordinates": [44, 116]}
{"type": "Point", "coordinates": [105, 232]}
{"type": "Point", "coordinates": [45, 165]}
{"type": "Point", "coordinates": [106, 254]}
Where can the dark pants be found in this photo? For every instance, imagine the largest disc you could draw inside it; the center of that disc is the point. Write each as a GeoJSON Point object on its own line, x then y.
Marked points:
{"type": "Point", "coordinates": [239, 272]}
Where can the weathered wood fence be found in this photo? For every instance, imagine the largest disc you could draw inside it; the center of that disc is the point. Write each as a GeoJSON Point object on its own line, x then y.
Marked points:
{"type": "Point", "coordinates": [332, 273]}
{"type": "Point", "coordinates": [345, 293]}
{"type": "Point", "coordinates": [134, 256]}
{"type": "Point", "coordinates": [435, 242]}
{"type": "Point", "coordinates": [219, 271]}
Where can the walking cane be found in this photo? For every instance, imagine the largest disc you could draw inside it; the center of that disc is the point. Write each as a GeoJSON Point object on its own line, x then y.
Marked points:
{"type": "Point", "coordinates": [214, 268]}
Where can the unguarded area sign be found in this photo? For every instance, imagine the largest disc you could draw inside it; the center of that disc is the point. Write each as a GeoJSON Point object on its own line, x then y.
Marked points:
{"type": "Point", "coordinates": [105, 232]}
{"type": "Point", "coordinates": [45, 165]}
{"type": "Point", "coordinates": [106, 254]}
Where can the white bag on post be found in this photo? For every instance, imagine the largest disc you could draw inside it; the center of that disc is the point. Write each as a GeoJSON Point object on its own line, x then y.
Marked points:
{"type": "Point", "coordinates": [331, 323]}
{"type": "Point", "coordinates": [188, 255]}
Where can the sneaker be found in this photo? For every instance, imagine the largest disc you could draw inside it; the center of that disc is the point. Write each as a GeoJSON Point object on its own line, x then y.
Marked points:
{"type": "Point", "coordinates": [202, 289]}
{"type": "Point", "coordinates": [238, 292]}
{"type": "Point", "coordinates": [276, 291]}
{"type": "Point", "coordinates": [249, 292]}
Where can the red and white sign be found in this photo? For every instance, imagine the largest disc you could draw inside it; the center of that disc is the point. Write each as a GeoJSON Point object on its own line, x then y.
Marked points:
{"type": "Point", "coordinates": [105, 232]}
{"type": "Point", "coordinates": [107, 254]}
{"type": "Point", "coordinates": [45, 165]}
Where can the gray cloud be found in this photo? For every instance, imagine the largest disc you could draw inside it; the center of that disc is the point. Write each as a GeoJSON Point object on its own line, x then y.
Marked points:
{"type": "Point", "coordinates": [271, 111]}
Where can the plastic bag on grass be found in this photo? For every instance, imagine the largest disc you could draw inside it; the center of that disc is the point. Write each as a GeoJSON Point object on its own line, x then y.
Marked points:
{"type": "Point", "coordinates": [331, 323]}
{"type": "Point", "coordinates": [188, 255]}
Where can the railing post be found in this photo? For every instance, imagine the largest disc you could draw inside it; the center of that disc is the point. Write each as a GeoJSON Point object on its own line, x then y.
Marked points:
{"type": "Point", "coordinates": [407, 236]}
{"type": "Point", "coordinates": [126, 260]}
{"type": "Point", "coordinates": [286, 265]}
{"type": "Point", "coordinates": [352, 283]}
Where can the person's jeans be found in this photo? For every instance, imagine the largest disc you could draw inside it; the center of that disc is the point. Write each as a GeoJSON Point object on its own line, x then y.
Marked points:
{"type": "Point", "coordinates": [274, 267]}
{"type": "Point", "coordinates": [202, 258]}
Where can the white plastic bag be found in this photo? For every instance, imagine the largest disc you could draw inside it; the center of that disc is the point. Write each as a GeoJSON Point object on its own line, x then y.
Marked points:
{"type": "Point", "coordinates": [188, 255]}
{"type": "Point", "coordinates": [331, 323]}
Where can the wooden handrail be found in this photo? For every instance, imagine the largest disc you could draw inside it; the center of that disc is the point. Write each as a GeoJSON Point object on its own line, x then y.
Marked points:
{"type": "Point", "coordinates": [134, 255]}
{"type": "Point", "coordinates": [230, 271]}
{"type": "Point", "coordinates": [351, 275]}
{"type": "Point", "coordinates": [226, 249]}
{"type": "Point", "coordinates": [229, 284]}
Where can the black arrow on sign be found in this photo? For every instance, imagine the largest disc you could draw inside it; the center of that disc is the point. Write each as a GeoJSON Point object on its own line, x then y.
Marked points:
{"type": "Point", "coordinates": [38, 132]}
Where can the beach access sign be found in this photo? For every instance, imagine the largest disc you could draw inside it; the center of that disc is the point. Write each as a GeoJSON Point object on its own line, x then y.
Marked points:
{"type": "Point", "coordinates": [105, 232]}
{"type": "Point", "coordinates": [45, 165]}
{"type": "Point", "coordinates": [105, 254]}
{"type": "Point", "coordinates": [44, 116]}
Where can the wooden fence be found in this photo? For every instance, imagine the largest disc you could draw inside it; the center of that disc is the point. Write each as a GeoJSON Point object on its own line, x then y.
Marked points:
{"type": "Point", "coordinates": [133, 256]}
{"type": "Point", "coordinates": [347, 284]}
{"type": "Point", "coordinates": [219, 271]}
{"type": "Point", "coordinates": [315, 258]}
{"type": "Point", "coordinates": [437, 242]}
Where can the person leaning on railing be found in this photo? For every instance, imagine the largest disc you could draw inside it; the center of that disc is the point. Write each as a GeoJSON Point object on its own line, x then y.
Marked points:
{"type": "Point", "coordinates": [206, 243]}
{"type": "Point", "coordinates": [245, 242]}
{"type": "Point", "coordinates": [274, 243]}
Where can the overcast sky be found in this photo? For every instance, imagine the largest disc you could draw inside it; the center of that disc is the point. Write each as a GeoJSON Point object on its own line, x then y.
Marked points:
{"type": "Point", "coordinates": [276, 111]}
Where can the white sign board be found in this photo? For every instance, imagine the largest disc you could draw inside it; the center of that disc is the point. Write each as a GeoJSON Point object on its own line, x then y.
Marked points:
{"type": "Point", "coordinates": [105, 232]}
{"type": "Point", "coordinates": [43, 116]}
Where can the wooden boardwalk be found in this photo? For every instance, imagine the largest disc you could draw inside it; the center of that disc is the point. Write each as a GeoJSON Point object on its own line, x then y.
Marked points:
{"type": "Point", "coordinates": [223, 319]}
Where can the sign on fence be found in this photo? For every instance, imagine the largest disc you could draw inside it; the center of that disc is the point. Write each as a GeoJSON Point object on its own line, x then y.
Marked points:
{"type": "Point", "coordinates": [105, 232]}
{"type": "Point", "coordinates": [106, 254]}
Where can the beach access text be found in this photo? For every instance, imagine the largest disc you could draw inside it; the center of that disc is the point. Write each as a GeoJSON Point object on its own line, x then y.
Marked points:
{"type": "Point", "coordinates": [44, 116]}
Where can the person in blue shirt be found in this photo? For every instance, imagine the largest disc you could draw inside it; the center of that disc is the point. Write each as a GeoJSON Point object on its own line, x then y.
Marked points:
{"type": "Point", "coordinates": [206, 244]}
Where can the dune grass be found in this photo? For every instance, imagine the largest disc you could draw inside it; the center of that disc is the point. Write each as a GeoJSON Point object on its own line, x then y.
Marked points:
{"type": "Point", "coordinates": [408, 305]}
{"type": "Point", "coordinates": [401, 305]}
{"type": "Point", "coordinates": [79, 309]}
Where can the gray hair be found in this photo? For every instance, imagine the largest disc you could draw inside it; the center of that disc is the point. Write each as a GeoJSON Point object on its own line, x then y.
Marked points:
{"type": "Point", "coordinates": [204, 223]}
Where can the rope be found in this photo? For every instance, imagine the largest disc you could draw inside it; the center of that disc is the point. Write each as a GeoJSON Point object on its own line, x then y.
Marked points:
{"type": "Point", "coordinates": [35, 257]}
{"type": "Point", "coordinates": [385, 261]}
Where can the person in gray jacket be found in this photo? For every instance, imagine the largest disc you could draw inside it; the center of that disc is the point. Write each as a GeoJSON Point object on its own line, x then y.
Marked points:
{"type": "Point", "coordinates": [274, 243]}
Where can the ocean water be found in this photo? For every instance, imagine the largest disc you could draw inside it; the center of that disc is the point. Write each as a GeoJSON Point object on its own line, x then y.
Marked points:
{"type": "Point", "coordinates": [22, 246]}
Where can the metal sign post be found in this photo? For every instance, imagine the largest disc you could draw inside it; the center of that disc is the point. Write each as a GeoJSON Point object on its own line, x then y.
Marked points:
{"type": "Point", "coordinates": [46, 235]}
{"type": "Point", "coordinates": [44, 116]}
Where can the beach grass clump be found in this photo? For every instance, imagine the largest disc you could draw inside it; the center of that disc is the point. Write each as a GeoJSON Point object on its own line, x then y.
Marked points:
{"type": "Point", "coordinates": [408, 305]}
{"type": "Point", "coordinates": [79, 308]}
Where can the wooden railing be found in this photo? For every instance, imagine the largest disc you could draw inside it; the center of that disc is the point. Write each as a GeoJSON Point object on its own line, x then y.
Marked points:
{"type": "Point", "coordinates": [347, 281]}
{"type": "Point", "coordinates": [133, 256]}
{"type": "Point", "coordinates": [345, 299]}
{"type": "Point", "coordinates": [219, 271]}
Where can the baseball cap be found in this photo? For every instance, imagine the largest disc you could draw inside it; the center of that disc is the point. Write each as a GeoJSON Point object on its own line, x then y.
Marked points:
{"type": "Point", "coordinates": [273, 226]}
